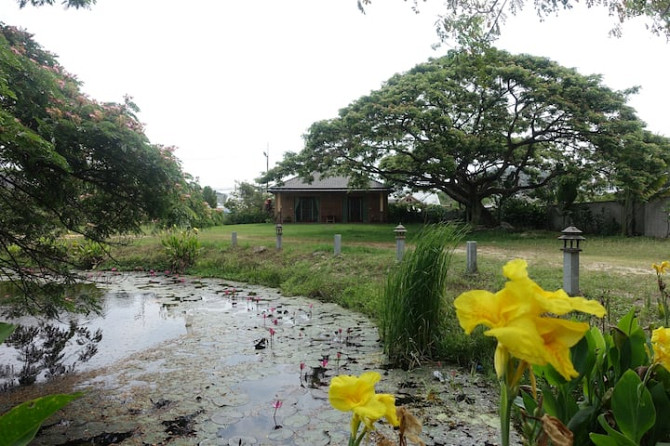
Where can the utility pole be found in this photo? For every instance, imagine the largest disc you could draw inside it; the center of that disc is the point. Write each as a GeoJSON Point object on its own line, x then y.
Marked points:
{"type": "Point", "coordinates": [267, 164]}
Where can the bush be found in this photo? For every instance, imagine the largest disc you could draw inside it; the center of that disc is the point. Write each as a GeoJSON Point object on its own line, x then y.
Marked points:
{"type": "Point", "coordinates": [429, 214]}
{"type": "Point", "coordinates": [413, 300]}
{"type": "Point", "coordinates": [182, 247]}
{"type": "Point", "coordinates": [89, 254]}
{"type": "Point", "coordinates": [525, 214]}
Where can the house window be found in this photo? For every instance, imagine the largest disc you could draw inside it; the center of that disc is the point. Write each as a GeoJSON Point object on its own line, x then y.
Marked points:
{"type": "Point", "coordinates": [306, 210]}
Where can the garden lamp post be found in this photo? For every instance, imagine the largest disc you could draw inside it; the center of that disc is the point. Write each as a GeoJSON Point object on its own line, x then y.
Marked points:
{"type": "Point", "coordinates": [279, 231]}
{"type": "Point", "coordinates": [400, 232]}
{"type": "Point", "coordinates": [571, 238]}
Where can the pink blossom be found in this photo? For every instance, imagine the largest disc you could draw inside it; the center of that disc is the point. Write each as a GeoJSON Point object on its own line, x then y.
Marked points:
{"type": "Point", "coordinates": [277, 404]}
{"type": "Point", "coordinates": [324, 363]}
{"type": "Point", "coordinates": [302, 366]}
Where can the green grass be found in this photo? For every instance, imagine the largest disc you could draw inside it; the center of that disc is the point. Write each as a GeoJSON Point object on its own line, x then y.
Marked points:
{"type": "Point", "coordinates": [614, 270]}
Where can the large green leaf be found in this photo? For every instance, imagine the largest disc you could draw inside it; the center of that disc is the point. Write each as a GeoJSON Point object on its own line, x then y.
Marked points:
{"type": "Point", "coordinates": [633, 406]}
{"type": "Point", "coordinates": [20, 424]}
{"type": "Point", "coordinates": [603, 440]}
{"type": "Point", "coordinates": [661, 428]}
{"type": "Point", "coordinates": [613, 437]}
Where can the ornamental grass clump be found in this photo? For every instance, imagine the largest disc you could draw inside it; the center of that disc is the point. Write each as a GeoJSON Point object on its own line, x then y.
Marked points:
{"type": "Point", "coordinates": [413, 301]}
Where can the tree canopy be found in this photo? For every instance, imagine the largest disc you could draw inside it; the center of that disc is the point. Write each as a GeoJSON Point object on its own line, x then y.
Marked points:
{"type": "Point", "coordinates": [69, 163]}
{"type": "Point", "coordinates": [482, 18]}
{"type": "Point", "coordinates": [475, 126]}
{"type": "Point", "coordinates": [67, 3]}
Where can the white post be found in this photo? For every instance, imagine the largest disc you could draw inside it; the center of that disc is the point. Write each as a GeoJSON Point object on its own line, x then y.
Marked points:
{"type": "Point", "coordinates": [471, 253]}
{"type": "Point", "coordinates": [338, 244]}
{"type": "Point", "coordinates": [571, 272]}
{"type": "Point", "coordinates": [234, 239]}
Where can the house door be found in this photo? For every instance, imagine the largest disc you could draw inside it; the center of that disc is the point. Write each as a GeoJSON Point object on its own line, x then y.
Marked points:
{"type": "Point", "coordinates": [306, 210]}
{"type": "Point", "coordinates": [355, 209]}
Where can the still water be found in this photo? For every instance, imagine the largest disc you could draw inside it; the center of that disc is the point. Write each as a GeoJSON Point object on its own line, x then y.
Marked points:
{"type": "Point", "coordinates": [129, 322]}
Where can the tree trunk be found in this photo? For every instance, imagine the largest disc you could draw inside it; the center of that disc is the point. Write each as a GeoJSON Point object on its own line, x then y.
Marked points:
{"type": "Point", "coordinates": [477, 214]}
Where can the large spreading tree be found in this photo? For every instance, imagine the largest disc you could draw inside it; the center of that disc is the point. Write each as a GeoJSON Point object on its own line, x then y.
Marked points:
{"type": "Point", "coordinates": [475, 125]}
{"type": "Point", "coordinates": [69, 164]}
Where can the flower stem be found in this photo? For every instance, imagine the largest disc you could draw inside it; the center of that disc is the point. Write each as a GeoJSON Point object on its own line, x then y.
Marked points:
{"type": "Point", "coordinates": [505, 412]}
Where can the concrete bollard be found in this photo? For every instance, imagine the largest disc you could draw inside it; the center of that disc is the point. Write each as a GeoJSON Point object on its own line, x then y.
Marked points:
{"type": "Point", "coordinates": [234, 239]}
{"type": "Point", "coordinates": [471, 257]}
{"type": "Point", "coordinates": [571, 238]}
{"type": "Point", "coordinates": [279, 231]}
{"type": "Point", "coordinates": [338, 244]}
{"type": "Point", "coordinates": [400, 232]}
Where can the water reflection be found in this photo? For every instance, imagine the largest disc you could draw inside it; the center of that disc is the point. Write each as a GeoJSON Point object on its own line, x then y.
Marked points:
{"type": "Point", "coordinates": [127, 323]}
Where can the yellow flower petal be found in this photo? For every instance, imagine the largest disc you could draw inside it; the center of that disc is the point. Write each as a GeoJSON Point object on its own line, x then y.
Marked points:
{"type": "Point", "coordinates": [500, 360]}
{"type": "Point", "coordinates": [476, 307]}
{"type": "Point", "coordinates": [389, 403]}
{"type": "Point", "coordinates": [559, 336]}
{"type": "Point", "coordinates": [660, 343]}
{"type": "Point", "coordinates": [347, 392]}
{"type": "Point", "coordinates": [516, 269]}
{"type": "Point", "coordinates": [521, 339]}
{"type": "Point", "coordinates": [371, 411]}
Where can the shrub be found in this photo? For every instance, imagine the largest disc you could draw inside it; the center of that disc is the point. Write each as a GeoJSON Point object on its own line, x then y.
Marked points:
{"type": "Point", "coordinates": [524, 214]}
{"type": "Point", "coordinates": [182, 247]}
{"type": "Point", "coordinates": [413, 300]}
{"type": "Point", "coordinates": [88, 254]}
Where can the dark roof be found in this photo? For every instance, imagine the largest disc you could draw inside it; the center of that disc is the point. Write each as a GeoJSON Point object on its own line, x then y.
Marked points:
{"type": "Point", "coordinates": [329, 184]}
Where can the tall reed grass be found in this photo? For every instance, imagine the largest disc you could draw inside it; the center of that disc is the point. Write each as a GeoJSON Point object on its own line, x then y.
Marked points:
{"type": "Point", "coordinates": [413, 300]}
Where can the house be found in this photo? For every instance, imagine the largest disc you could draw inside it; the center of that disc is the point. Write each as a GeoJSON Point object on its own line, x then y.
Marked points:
{"type": "Point", "coordinates": [330, 200]}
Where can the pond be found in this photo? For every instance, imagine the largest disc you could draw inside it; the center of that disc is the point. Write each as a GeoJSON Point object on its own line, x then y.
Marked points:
{"type": "Point", "coordinates": [129, 322]}
{"type": "Point", "coordinates": [204, 361]}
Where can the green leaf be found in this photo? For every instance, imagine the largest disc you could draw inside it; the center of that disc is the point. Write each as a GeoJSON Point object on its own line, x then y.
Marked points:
{"type": "Point", "coordinates": [603, 440]}
{"type": "Point", "coordinates": [618, 438]}
{"type": "Point", "coordinates": [582, 422]}
{"type": "Point", "coordinates": [632, 406]}
{"type": "Point", "coordinates": [5, 330]}
{"type": "Point", "coordinates": [662, 405]}
{"type": "Point", "coordinates": [21, 423]}
{"type": "Point", "coordinates": [549, 403]}
{"type": "Point", "coordinates": [529, 403]}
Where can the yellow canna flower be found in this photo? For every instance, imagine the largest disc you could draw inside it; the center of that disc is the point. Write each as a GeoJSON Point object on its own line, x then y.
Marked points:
{"type": "Point", "coordinates": [357, 394]}
{"type": "Point", "coordinates": [349, 392]}
{"type": "Point", "coordinates": [660, 343]}
{"type": "Point", "coordinates": [519, 317]}
{"type": "Point", "coordinates": [663, 267]}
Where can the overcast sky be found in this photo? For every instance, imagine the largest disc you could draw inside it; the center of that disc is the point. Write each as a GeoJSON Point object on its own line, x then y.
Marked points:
{"type": "Point", "coordinates": [226, 80]}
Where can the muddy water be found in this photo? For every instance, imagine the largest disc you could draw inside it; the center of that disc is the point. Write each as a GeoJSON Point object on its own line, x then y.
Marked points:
{"type": "Point", "coordinates": [218, 381]}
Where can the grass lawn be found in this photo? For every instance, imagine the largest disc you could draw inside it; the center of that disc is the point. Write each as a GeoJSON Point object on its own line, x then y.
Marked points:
{"type": "Point", "coordinates": [614, 270]}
